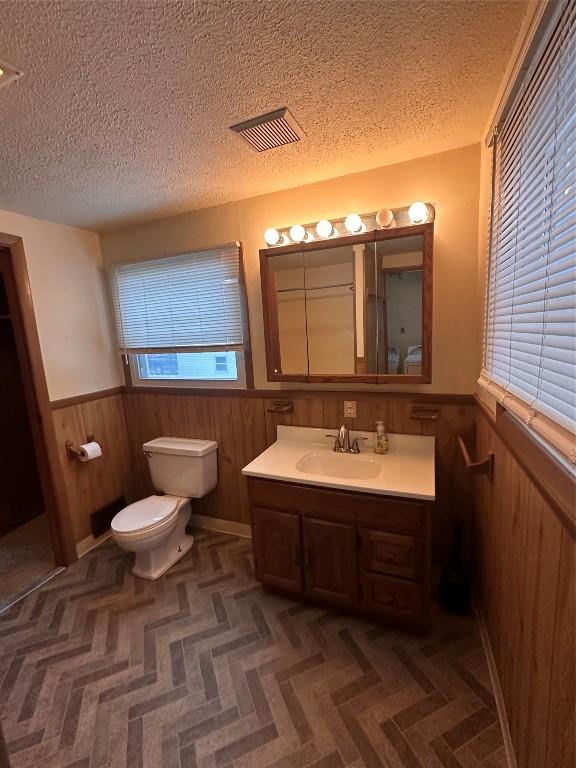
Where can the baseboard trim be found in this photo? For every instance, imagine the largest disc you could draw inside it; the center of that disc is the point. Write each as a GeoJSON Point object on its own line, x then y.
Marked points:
{"type": "Point", "coordinates": [89, 543]}
{"type": "Point", "coordinates": [244, 530]}
{"type": "Point", "coordinates": [496, 687]}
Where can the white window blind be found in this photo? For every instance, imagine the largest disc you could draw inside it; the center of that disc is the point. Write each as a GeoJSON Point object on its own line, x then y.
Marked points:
{"type": "Point", "coordinates": [530, 332]}
{"type": "Point", "coordinates": [185, 303]}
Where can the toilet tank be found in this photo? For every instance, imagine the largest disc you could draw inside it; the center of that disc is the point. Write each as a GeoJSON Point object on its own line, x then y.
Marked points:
{"type": "Point", "coordinates": [181, 466]}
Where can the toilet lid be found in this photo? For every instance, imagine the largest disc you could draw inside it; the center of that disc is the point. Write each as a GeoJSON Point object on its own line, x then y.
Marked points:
{"type": "Point", "coordinates": [145, 513]}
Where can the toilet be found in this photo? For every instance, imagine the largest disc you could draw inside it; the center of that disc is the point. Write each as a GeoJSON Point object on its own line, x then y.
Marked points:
{"type": "Point", "coordinates": [155, 528]}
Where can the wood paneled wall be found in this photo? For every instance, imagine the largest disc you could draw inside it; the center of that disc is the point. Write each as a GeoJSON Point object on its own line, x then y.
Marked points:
{"type": "Point", "coordinates": [525, 584]}
{"type": "Point", "coordinates": [245, 426]}
{"type": "Point", "coordinates": [93, 484]}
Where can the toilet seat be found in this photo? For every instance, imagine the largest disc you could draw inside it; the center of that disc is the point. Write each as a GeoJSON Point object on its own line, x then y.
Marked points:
{"type": "Point", "coordinates": [147, 517]}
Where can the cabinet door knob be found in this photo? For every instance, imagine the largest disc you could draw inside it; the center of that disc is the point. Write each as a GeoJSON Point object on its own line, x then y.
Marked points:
{"type": "Point", "coordinates": [296, 556]}
{"type": "Point", "coordinates": [307, 558]}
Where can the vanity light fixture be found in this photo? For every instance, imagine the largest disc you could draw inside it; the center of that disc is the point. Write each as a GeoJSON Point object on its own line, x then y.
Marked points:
{"type": "Point", "coordinates": [272, 236]}
{"type": "Point", "coordinates": [419, 213]}
{"type": "Point", "coordinates": [325, 228]}
{"type": "Point", "coordinates": [385, 218]}
{"type": "Point", "coordinates": [297, 233]}
{"type": "Point", "coordinates": [353, 223]}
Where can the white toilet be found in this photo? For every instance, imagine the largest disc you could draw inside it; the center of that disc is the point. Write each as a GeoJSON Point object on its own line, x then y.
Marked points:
{"type": "Point", "coordinates": [155, 528]}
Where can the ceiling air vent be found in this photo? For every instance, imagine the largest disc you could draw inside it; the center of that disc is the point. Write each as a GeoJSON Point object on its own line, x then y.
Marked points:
{"type": "Point", "coordinates": [274, 129]}
{"type": "Point", "coordinates": [8, 73]}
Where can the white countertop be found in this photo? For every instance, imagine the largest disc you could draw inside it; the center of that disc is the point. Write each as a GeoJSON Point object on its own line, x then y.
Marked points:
{"type": "Point", "coordinates": [406, 470]}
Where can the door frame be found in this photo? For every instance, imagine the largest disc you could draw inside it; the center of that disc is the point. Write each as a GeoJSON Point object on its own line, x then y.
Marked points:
{"type": "Point", "coordinates": [38, 401]}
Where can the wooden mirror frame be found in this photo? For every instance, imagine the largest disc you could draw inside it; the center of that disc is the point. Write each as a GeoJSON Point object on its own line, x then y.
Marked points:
{"type": "Point", "coordinates": [270, 310]}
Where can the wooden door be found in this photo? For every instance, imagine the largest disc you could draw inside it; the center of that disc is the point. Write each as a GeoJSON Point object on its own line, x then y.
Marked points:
{"type": "Point", "coordinates": [277, 552]}
{"type": "Point", "coordinates": [330, 570]}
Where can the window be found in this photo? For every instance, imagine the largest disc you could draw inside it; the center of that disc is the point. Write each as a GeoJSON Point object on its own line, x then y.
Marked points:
{"type": "Point", "coordinates": [179, 319]}
{"type": "Point", "coordinates": [530, 339]}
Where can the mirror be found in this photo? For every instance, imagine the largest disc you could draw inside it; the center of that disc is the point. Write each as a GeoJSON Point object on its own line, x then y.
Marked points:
{"type": "Point", "coordinates": [350, 308]}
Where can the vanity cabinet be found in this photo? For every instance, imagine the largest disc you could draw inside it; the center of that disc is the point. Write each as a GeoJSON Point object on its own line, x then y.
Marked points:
{"type": "Point", "coordinates": [363, 552]}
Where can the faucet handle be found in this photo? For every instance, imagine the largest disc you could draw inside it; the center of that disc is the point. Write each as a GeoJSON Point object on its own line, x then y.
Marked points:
{"type": "Point", "coordinates": [355, 447]}
{"type": "Point", "coordinates": [337, 446]}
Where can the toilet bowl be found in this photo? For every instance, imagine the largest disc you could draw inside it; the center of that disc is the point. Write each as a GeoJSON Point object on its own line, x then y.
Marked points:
{"type": "Point", "coordinates": [154, 528]}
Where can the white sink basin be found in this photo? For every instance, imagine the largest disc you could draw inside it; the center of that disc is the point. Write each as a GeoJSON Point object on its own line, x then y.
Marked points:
{"type": "Point", "coordinates": [304, 456]}
{"type": "Point", "coordinates": [339, 465]}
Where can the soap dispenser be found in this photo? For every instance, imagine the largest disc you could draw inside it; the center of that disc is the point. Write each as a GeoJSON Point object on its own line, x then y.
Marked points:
{"type": "Point", "coordinates": [381, 439]}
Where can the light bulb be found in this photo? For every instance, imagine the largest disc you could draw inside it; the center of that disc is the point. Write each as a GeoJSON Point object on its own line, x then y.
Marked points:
{"type": "Point", "coordinates": [297, 233]}
{"type": "Point", "coordinates": [324, 228]}
{"type": "Point", "coordinates": [385, 217]}
{"type": "Point", "coordinates": [1, 71]}
{"type": "Point", "coordinates": [418, 213]}
{"type": "Point", "coordinates": [353, 223]}
{"type": "Point", "coordinates": [272, 236]}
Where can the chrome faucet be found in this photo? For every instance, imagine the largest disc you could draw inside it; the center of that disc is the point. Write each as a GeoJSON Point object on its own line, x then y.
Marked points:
{"type": "Point", "coordinates": [342, 441]}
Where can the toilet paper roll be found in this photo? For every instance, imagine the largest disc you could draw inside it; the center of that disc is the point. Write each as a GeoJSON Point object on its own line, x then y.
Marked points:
{"type": "Point", "coordinates": [90, 451]}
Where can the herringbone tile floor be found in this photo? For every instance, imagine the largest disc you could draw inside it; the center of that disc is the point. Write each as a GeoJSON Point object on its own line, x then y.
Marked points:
{"type": "Point", "coordinates": [203, 669]}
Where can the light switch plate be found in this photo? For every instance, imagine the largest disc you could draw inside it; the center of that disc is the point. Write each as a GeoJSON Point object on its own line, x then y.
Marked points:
{"type": "Point", "coordinates": [350, 409]}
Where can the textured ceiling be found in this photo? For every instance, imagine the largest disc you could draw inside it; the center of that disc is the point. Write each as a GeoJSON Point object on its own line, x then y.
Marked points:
{"type": "Point", "coordinates": [123, 109]}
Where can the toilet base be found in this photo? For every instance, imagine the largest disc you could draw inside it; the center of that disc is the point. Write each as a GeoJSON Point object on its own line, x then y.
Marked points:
{"type": "Point", "coordinates": [152, 563]}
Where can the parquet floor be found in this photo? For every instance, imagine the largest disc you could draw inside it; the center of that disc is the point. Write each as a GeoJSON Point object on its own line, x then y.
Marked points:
{"type": "Point", "coordinates": [203, 669]}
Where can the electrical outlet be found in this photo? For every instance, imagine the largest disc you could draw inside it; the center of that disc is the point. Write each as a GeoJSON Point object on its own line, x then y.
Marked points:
{"type": "Point", "coordinates": [350, 409]}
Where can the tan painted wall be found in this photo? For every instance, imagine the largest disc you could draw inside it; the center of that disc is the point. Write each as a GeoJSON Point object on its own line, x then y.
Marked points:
{"type": "Point", "coordinates": [65, 265]}
{"type": "Point", "coordinates": [449, 180]}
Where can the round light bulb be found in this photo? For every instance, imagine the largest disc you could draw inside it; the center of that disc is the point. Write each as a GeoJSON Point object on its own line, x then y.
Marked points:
{"type": "Point", "coordinates": [418, 213]}
{"type": "Point", "coordinates": [1, 71]}
{"type": "Point", "coordinates": [385, 217]}
{"type": "Point", "coordinates": [353, 223]}
{"type": "Point", "coordinates": [272, 236]}
{"type": "Point", "coordinates": [324, 228]}
{"type": "Point", "coordinates": [297, 233]}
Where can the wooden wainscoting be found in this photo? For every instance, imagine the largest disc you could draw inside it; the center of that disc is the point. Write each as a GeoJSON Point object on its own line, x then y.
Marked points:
{"type": "Point", "coordinates": [525, 585]}
{"type": "Point", "coordinates": [93, 484]}
{"type": "Point", "coordinates": [244, 425]}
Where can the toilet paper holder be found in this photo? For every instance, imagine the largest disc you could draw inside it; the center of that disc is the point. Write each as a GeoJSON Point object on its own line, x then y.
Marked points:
{"type": "Point", "coordinates": [75, 453]}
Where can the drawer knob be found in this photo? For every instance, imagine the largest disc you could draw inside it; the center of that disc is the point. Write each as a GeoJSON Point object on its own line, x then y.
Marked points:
{"type": "Point", "coordinates": [389, 600]}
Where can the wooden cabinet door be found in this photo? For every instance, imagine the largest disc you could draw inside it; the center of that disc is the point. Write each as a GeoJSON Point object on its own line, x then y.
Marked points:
{"type": "Point", "coordinates": [276, 540]}
{"type": "Point", "coordinates": [330, 570]}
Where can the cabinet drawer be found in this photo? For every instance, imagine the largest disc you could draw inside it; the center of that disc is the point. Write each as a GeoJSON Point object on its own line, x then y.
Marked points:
{"type": "Point", "coordinates": [392, 553]}
{"type": "Point", "coordinates": [369, 510]}
{"type": "Point", "coordinates": [394, 598]}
